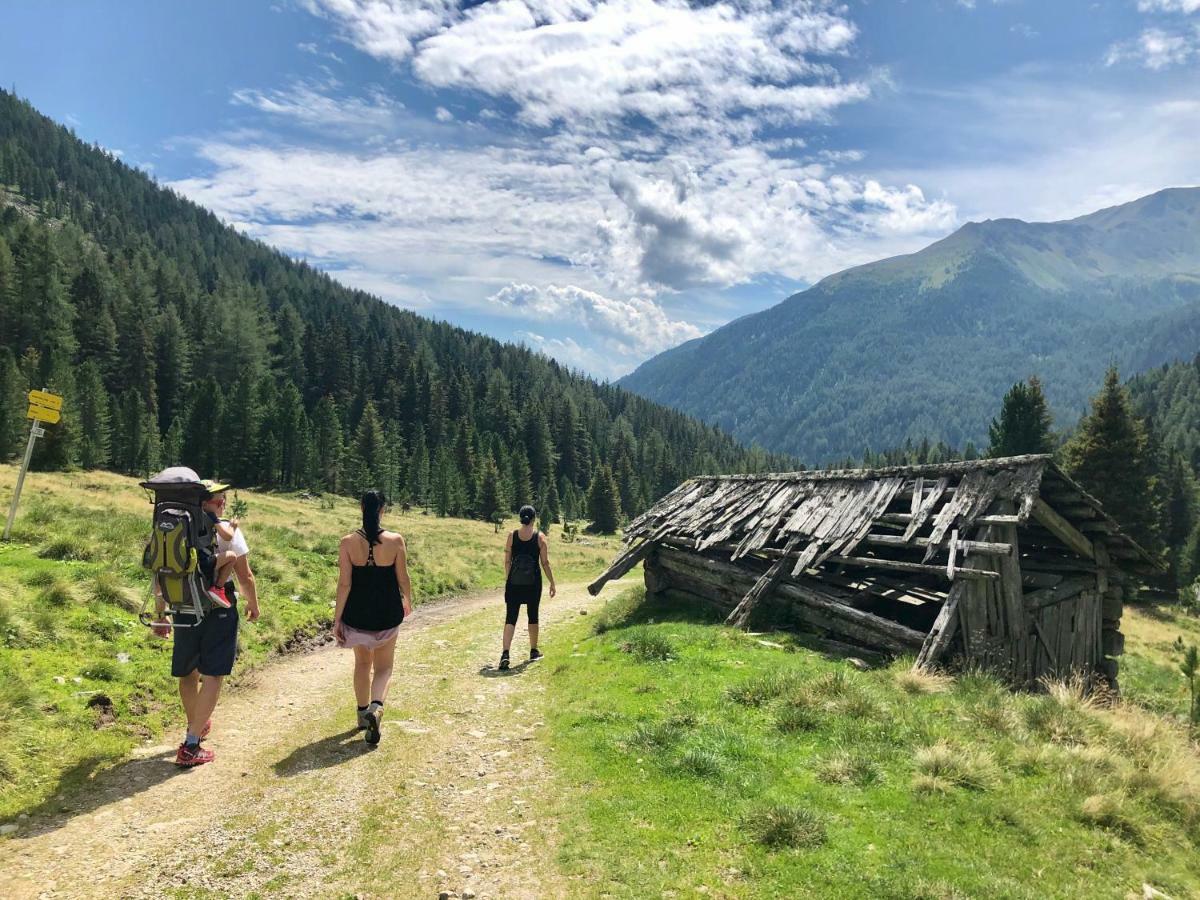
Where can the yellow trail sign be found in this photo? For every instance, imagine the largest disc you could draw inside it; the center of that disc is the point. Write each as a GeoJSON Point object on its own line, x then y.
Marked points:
{"type": "Point", "coordinates": [43, 414]}
{"type": "Point", "coordinates": [46, 399]}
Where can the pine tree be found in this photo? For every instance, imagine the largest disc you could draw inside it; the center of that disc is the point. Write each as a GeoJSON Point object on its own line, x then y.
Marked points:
{"type": "Point", "coordinates": [327, 444]}
{"type": "Point", "coordinates": [1024, 423]}
{"type": "Point", "coordinates": [604, 506]}
{"type": "Point", "coordinates": [418, 470]}
{"type": "Point", "coordinates": [93, 410]}
{"type": "Point", "coordinates": [1109, 457]}
{"type": "Point", "coordinates": [491, 501]}
{"type": "Point", "coordinates": [520, 478]}
{"type": "Point", "coordinates": [13, 403]}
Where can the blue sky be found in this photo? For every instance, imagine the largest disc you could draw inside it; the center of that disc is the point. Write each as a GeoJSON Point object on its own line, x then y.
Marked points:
{"type": "Point", "coordinates": [604, 179]}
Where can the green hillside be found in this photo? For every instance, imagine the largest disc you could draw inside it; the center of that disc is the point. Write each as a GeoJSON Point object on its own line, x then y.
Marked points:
{"type": "Point", "coordinates": [922, 346]}
{"type": "Point", "coordinates": [176, 339]}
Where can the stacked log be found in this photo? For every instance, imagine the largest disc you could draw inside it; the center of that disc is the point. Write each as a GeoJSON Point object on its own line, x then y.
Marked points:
{"type": "Point", "coordinates": [818, 605]}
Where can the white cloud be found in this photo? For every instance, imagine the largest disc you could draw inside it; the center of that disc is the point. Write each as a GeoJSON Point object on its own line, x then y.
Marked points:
{"type": "Point", "coordinates": [443, 115]}
{"type": "Point", "coordinates": [1121, 145]}
{"type": "Point", "coordinates": [723, 66]}
{"type": "Point", "coordinates": [312, 107]}
{"type": "Point", "coordinates": [636, 327]}
{"type": "Point", "coordinates": [1156, 48]}
{"type": "Point", "coordinates": [1169, 6]}
{"type": "Point", "coordinates": [574, 355]}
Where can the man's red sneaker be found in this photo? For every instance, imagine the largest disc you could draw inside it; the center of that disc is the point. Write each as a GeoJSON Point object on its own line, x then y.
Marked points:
{"type": "Point", "coordinates": [193, 756]}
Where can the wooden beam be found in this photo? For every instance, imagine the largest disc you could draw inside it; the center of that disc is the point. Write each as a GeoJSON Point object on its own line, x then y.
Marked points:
{"type": "Point", "coordinates": [876, 562]}
{"type": "Point", "coordinates": [903, 518]}
{"type": "Point", "coordinates": [1062, 529]}
{"type": "Point", "coordinates": [942, 632]}
{"type": "Point", "coordinates": [765, 584]}
{"type": "Point", "coordinates": [1057, 594]}
{"type": "Point", "coordinates": [627, 560]}
{"type": "Point", "coordinates": [987, 548]}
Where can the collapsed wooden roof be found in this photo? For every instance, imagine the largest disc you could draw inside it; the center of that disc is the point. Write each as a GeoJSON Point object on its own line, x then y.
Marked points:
{"type": "Point", "coordinates": [841, 516]}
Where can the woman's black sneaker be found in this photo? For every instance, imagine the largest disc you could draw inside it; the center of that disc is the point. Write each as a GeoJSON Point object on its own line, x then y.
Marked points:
{"type": "Point", "coordinates": [504, 661]}
{"type": "Point", "coordinates": [374, 713]}
{"type": "Point", "coordinates": [535, 654]}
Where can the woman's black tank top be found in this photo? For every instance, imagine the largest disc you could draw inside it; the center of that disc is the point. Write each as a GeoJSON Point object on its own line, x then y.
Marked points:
{"type": "Point", "coordinates": [375, 602]}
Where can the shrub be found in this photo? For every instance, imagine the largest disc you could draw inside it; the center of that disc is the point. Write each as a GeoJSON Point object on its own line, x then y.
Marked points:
{"type": "Point", "coordinates": [56, 593]}
{"type": "Point", "coordinates": [1112, 813]}
{"type": "Point", "coordinates": [655, 735]}
{"type": "Point", "coordinates": [648, 646]}
{"type": "Point", "coordinates": [701, 762]}
{"type": "Point", "coordinates": [780, 826]}
{"type": "Point", "coordinates": [68, 547]}
{"type": "Point", "coordinates": [764, 688]}
{"type": "Point", "coordinates": [920, 681]}
{"type": "Point", "coordinates": [848, 768]}
{"type": "Point", "coordinates": [101, 670]}
{"type": "Point", "coordinates": [973, 769]}
{"type": "Point", "coordinates": [797, 717]}
{"type": "Point", "coordinates": [107, 587]}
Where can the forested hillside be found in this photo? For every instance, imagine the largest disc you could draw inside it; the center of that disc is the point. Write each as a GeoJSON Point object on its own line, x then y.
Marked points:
{"type": "Point", "coordinates": [176, 339]}
{"type": "Point", "coordinates": [921, 346]}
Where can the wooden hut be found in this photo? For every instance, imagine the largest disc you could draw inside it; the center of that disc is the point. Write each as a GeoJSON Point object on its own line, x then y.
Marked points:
{"type": "Point", "coordinates": [1006, 564]}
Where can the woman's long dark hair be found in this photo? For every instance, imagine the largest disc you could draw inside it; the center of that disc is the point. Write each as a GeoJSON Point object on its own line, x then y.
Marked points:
{"type": "Point", "coordinates": [373, 503]}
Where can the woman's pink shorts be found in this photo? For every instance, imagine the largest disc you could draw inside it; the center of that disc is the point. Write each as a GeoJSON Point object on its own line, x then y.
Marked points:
{"type": "Point", "coordinates": [368, 639]}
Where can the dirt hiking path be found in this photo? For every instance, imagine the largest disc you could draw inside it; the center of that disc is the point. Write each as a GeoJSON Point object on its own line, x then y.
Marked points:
{"type": "Point", "coordinates": [296, 805]}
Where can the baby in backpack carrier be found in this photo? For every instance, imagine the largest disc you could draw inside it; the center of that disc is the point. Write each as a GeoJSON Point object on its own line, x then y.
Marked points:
{"type": "Point", "coordinates": [219, 569]}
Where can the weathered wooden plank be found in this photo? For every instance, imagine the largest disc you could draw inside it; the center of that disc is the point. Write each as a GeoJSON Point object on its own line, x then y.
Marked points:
{"type": "Point", "coordinates": [1065, 590]}
{"type": "Point", "coordinates": [1062, 529]}
{"type": "Point", "coordinates": [987, 548]}
{"type": "Point", "coordinates": [765, 584]}
{"type": "Point", "coordinates": [943, 630]}
{"type": "Point", "coordinates": [628, 560]}
{"type": "Point", "coordinates": [904, 518]}
{"type": "Point", "coordinates": [877, 562]}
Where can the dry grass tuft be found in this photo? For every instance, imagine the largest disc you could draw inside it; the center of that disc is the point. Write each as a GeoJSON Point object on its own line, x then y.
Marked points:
{"type": "Point", "coordinates": [848, 768]}
{"type": "Point", "coordinates": [972, 769]}
{"type": "Point", "coordinates": [920, 681]}
{"type": "Point", "coordinates": [782, 826]}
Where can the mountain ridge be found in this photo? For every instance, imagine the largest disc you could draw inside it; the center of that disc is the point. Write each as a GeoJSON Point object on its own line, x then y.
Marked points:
{"type": "Point", "coordinates": [1004, 298]}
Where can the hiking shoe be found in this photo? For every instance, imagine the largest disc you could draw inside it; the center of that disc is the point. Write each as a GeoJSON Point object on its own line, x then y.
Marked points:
{"type": "Point", "coordinates": [216, 594]}
{"type": "Point", "coordinates": [535, 654]}
{"type": "Point", "coordinates": [363, 716]}
{"type": "Point", "coordinates": [374, 714]}
{"type": "Point", "coordinates": [188, 756]}
{"type": "Point", "coordinates": [504, 661]}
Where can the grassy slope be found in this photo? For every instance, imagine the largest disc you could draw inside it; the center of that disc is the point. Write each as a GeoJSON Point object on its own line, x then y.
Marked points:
{"type": "Point", "coordinates": [889, 786]}
{"type": "Point", "coordinates": [71, 585]}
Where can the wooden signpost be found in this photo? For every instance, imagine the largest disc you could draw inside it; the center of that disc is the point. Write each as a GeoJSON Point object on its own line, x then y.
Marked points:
{"type": "Point", "coordinates": [43, 407]}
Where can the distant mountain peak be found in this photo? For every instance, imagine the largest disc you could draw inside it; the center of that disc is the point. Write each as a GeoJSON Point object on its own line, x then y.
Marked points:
{"type": "Point", "coordinates": [924, 345]}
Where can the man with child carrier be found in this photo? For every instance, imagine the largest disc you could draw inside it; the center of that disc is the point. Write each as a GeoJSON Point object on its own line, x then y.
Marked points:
{"type": "Point", "coordinates": [193, 554]}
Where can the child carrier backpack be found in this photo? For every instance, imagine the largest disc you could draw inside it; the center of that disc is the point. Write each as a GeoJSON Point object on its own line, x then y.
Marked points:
{"type": "Point", "coordinates": [179, 554]}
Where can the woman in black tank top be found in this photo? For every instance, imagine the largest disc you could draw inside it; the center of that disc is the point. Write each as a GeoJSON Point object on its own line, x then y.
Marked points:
{"type": "Point", "coordinates": [374, 595]}
{"type": "Point", "coordinates": [525, 556]}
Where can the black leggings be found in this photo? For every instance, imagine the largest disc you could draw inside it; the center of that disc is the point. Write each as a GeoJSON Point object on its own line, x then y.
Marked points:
{"type": "Point", "coordinates": [512, 609]}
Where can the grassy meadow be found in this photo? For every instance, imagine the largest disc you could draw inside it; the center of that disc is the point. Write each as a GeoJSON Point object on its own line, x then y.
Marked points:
{"type": "Point", "coordinates": [82, 682]}
{"type": "Point", "coordinates": [702, 760]}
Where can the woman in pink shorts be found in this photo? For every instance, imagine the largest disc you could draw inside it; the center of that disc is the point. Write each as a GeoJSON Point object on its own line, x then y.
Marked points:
{"type": "Point", "coordinates": [374, 594]}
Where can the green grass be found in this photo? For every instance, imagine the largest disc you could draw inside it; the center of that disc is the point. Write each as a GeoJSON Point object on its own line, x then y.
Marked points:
{"type": "Point", "coordinates": [1150, 665]}
{"type": "Point", "coordinates": [743, 770]}
{"type": "Point", "coordinates": [71, 585]}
